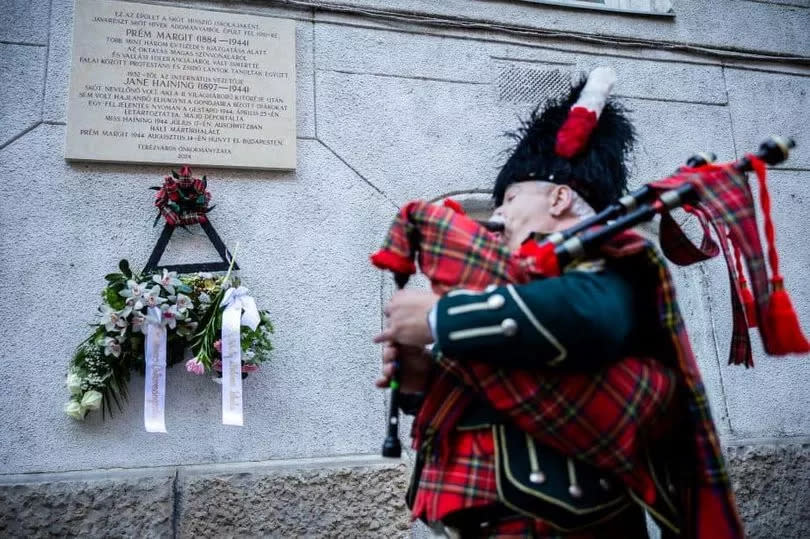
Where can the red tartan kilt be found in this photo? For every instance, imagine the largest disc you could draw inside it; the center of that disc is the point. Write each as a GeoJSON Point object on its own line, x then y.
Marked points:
{"type": "Point", "coordinates": [603, 419]}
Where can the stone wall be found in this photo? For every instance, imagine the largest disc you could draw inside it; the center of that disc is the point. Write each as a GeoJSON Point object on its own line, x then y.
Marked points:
{"type": "Point", "coordinates": [335, 497]}
{"type": "Point", "coordinates": [395, 100]}
{"type": "Point", "coordinates": [339, 498]}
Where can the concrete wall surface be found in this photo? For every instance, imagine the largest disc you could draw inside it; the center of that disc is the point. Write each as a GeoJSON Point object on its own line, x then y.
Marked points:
{"type": "Point", "coordinates": [395, 101]}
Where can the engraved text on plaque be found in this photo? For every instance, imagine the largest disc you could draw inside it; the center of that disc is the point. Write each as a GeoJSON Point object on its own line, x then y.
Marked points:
{"type": "Point", "coordinates": [157, 84]}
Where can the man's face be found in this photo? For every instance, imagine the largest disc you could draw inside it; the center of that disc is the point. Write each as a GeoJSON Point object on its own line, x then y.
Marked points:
{"type": "Point", "coordinates": [526, 209]}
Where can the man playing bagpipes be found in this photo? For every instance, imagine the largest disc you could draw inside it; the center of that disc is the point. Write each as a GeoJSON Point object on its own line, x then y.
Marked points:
{"type": "Point", "coordinates": [559, 399]}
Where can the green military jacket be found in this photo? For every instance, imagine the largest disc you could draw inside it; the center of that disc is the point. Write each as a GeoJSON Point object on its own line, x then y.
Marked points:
{"type": "Point", "coordinates": [580, 320]}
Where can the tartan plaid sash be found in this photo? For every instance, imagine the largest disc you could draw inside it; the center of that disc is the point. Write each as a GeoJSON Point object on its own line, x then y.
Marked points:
{"type": "Point", "coordinates": [601, 417]}
{"type": "Point", "coordinates": [725, 201]}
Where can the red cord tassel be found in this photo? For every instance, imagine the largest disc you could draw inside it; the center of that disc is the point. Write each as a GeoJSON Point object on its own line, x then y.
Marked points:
{"type": "Point", "coordinates": [748, 303]}
{"type": "Point", "coordinates": [453, 205]}
{"type": "Point", "coordinates": [542, 256]}
{"type": "Point", "coordinates": [782, 325]}
{"type": "Point", "coordinates": [387, 260]}
{"type": "Point", "coordinates": [746, 296]}
{"type": "Point", "coordinates": [784, 328]}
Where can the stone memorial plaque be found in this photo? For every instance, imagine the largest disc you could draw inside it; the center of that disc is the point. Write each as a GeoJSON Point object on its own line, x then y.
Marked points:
{"type": "Point", "coordinates": [157, 84]}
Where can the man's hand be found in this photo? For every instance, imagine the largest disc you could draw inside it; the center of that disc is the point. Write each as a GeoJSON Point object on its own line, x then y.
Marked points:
{"type": "Point", "coordinates": [407, 318]}
{"type": "Point", "coordinates": [414, 364]}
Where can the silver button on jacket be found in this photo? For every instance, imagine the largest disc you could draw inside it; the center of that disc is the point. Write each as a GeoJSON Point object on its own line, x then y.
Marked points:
{"type": "Point", "coordinates": [509, 327]}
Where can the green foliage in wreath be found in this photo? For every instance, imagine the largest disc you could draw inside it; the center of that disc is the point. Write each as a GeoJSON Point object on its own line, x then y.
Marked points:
{"type": "Point", "coordinates": [189, 307]}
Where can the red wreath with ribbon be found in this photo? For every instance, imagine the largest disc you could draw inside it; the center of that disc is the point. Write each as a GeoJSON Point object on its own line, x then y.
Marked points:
{"type": "Point", "coordinates": [182, 199]}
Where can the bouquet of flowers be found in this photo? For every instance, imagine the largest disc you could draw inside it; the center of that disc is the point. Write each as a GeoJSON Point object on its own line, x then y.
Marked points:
{"type": "Point", "coordinates": [188, 306]}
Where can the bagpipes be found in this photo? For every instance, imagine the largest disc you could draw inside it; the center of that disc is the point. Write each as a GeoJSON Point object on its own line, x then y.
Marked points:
{"type": "Point", "coordinates": [455, 251]}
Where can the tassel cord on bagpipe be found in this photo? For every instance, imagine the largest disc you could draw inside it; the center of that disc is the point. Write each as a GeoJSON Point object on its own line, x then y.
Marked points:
{"type": "Point", "coordinates": [644, 203]}
{"type": "Point", "coordinates": [584, 240]}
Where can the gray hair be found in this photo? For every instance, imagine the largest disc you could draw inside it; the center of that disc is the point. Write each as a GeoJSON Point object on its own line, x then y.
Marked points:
{"type": "Point", "coordinates": [579, 207]}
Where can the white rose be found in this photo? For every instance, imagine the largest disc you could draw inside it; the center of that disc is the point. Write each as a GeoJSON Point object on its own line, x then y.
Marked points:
{"type": "Point", "coordinates": [74, 410]}
{"type": "Point", "coordinates": [91, 400]}
{"type": "Point", "coordinates": [74, 383]}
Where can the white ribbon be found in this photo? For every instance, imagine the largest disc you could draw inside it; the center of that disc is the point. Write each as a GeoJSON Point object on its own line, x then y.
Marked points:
{"type": "Point", "coordinates": [155, 377]}
{"type": "Point", "coordinates": [235, 301]}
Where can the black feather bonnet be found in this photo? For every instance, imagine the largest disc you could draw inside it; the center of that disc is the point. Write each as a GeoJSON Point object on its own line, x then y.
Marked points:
{"type": "Point", "coordinates": [598, 174]}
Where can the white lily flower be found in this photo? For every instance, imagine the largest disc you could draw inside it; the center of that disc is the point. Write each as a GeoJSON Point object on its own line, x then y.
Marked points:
{"type": "Point", "coordinates": [152, 298]}
{"type": "Point", "coordinates": [139, 322]}
{"type": "Point", "coordinates": [170, 316]}
{"type": "Point", "coordinates": [134, 294]}
{"type": "Point", "coordinates": [112, 347]}
{"type": "Point", "coordinates": [168, 280]}
{"type": "Point", "coordinates": [113, 319]}
{"type": "Point", "coordinates": [183, 302]}
{"type": "Point", "coordinates": [109, 317]}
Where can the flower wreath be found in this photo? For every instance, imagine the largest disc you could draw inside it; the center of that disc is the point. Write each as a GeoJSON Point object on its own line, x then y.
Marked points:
{"type": "Point", "coordinates": [189, 308]}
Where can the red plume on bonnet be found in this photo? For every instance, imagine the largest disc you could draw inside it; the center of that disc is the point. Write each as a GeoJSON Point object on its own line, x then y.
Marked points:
{"type": "Point", "coordinates": [584, 114]}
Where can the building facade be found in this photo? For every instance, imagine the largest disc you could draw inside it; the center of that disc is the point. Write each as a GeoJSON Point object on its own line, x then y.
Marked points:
{"type": "Point", "coordinates": [395, 100]}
